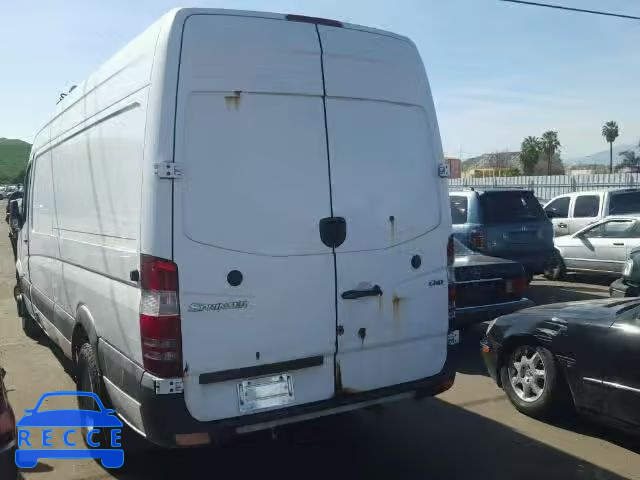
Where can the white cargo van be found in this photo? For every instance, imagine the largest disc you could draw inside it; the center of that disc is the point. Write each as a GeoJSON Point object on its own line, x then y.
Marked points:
{"type": "Point", "coordinates": [238, 222]}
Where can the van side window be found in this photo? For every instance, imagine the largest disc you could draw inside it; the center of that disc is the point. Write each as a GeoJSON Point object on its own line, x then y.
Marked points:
{"type": "Point", "coordinates": [586, 206]}
{"type": "Point", "coordinates": [559, 207]}
{"type": "Point", "coordinates": [458, 209]}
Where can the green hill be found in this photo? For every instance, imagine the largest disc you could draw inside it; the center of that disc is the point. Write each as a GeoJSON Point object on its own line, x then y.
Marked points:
{"type": "Point", "coordinates": [13, 160]}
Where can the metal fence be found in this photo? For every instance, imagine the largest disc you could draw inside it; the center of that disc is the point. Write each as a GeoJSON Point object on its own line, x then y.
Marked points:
{"type": "Point", "coordinates": [548, 187]}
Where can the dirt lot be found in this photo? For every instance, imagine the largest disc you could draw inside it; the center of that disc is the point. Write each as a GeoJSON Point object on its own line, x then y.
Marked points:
{"type": "Point", "coordinates": [470, 431]}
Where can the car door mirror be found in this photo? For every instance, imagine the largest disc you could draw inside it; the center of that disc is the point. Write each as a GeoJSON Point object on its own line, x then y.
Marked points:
{"type": "Point", "coordinates": [550, 213]}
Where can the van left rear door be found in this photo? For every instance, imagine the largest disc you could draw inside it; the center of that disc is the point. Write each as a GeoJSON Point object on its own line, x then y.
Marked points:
{"type": "Point", "coordinates": [257, 287]}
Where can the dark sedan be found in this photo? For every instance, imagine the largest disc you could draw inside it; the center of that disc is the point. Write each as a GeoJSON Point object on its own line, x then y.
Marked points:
{"type": "Point", "coordinates": [582, 355]}
{"type": "Point", "coordinates": [486, 286]}
{"type": "Point", "coordinates": [629, 284]}
{"type": "Point", "coordinates": [8, 467]}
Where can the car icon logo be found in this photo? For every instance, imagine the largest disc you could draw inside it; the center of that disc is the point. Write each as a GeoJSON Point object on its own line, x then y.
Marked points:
{"type": "Point", "coordinates": [28, 454]}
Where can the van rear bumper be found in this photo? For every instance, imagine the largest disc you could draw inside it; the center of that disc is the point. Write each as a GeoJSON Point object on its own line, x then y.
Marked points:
{"type": "Point", "coordinates": [165, 416]}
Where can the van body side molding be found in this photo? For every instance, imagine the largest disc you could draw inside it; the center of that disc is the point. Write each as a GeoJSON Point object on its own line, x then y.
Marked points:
{"type": "Point", "coordinates": [258, 370]}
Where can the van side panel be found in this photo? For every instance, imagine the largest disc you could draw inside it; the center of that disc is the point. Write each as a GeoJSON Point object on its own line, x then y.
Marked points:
{"type": "Point", "coordinates": [97, 175]}
{"type": "Point", "coordinates": [94, 142]}
{"type": "Point", "coordinates": [156, 196]}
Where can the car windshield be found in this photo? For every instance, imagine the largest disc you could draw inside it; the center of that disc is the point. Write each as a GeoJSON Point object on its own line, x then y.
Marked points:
{"type": "Point", "coordinates": [624, 203]}
{"type": "Point", "coordinates": [510, 207]}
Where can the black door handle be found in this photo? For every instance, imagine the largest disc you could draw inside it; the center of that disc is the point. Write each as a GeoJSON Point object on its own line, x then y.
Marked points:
{"type": "Point", "coordinates": [562, 225]}
{"type": "Point", "coordinates": [618, 244]}
{"type": "Point", "coordinates": [374, 291]}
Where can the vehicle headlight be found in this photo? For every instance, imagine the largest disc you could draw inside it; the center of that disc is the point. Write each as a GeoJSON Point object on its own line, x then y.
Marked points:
{"type": "Point", "coordinates": [628, 268]}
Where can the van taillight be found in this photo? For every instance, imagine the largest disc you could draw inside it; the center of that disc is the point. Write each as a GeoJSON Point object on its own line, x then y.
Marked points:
{"type": "Point", "coordinates": [160, 331]}
{"type": "Point", "coordinates": [478, 239]}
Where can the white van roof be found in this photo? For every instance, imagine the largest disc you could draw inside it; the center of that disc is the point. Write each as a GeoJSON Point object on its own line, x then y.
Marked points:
{"type": "Point", "coordinates": [143, 46]}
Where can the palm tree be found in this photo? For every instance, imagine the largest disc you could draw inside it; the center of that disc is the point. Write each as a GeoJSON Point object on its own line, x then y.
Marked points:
{"type": "Point", "coordinates": [630, 159]}
{"type": "Point", "coordinates": [549, 144]}
{"type": "Point", "coordinates": [529, 154]}
{"type": "Point", "coordinates": [610, 132]}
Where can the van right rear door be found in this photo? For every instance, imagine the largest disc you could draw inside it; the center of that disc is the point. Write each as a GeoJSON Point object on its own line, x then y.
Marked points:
{"type": "Point", "coordinates": [384, 150]}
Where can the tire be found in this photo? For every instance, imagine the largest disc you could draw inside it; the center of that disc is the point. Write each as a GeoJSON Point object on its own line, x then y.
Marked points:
{"type": "Point", "coordinates": [30, 326]}
{"type": "Point", "coordinates": [89, 379]}
{"type": "Point", "coordinates": [552, 395]}
{"type": "Point", "coordinates": [555, 268]}
{"type": "Point", "coordinates": [529, 276]}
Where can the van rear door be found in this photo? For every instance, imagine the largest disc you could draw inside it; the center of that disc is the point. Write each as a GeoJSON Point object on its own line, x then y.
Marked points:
{"type": "Point", "coordinates": [258, 288]}
{"type": "Point", "coordinates": [384, 148]}
{"type": "Point", "coordinates": [256, 282]}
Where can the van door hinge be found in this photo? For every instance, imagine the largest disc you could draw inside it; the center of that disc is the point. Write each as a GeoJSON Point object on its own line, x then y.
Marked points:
{"type": "Point", "coordinates": [165, 386]}
{"type": "Point", "coordinates": [167, 170]}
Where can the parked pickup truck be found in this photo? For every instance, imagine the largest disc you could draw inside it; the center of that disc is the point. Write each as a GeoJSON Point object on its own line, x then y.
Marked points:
{"type": "Point", "coordinates": [573, 211]}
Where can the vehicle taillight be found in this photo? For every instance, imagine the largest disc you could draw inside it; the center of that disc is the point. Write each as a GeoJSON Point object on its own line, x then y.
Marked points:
{"type": "Point", "coordinates": [451, 279]}
{"type": "Point", "coordinates": [478, 239]}
{"type": "Point", "coordinates": [516, 286]}
{"type": "Point", "coordinates": [160, 331]}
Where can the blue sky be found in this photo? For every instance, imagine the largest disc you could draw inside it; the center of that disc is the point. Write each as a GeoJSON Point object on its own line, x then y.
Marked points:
{"type": "Point", "coordinates": [498, 71]}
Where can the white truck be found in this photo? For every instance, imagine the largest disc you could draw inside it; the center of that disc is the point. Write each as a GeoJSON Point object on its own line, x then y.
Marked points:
{"type": "Point", "coordinates": [239, 221]}
{"type": "Point", "coordinates": [572, 212]}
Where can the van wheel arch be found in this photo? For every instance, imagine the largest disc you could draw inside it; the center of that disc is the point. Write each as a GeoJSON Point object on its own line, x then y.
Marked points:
{"type": "Point", "coordinates": [83, 330]}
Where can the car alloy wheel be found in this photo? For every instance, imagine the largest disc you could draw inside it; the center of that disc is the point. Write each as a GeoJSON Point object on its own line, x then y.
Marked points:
{"type": "Point", "coordinates": [527, 374]}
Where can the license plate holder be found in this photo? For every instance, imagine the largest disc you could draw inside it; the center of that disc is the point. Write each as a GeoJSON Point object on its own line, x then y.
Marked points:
{"type": "Point", "coordinates": [453, 337]}
{"type": "Point", "coordinates": [265, 392]}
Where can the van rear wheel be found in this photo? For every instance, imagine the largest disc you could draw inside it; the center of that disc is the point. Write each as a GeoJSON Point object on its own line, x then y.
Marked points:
{"type": "Point", "coordinates": [89, 379]}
